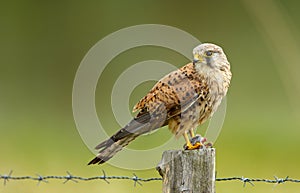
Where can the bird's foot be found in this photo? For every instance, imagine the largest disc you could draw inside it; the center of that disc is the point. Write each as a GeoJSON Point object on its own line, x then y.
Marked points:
{"type": "Point", "coordinates": [197, 142]}
{"type": "Point", "coordinates": [197, 145]}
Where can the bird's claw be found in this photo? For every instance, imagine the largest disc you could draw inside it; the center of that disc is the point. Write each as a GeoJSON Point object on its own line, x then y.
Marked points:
{"type": "Point", "coordinates": [197, 145]}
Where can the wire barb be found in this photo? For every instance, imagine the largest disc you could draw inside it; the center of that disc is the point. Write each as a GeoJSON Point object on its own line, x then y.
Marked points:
{"type": "Point", "coordinates": [136, 180]}
{"type": "Point", "coordinates": [40, 179]}
{"type": "Point", "coordinates": [246, 180]}
{"type": "Point", "coordinates": [69, 177]}
{"type": "Point", "coordinates": [281, 180]}
{"type": "Point", "coordinates": [6, 177]}
{"type": "Point", "coordinates": [104, 177]}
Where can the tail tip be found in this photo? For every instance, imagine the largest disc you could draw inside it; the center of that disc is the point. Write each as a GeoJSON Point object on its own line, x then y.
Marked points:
{"type": "Point", "coordinates": [96, 160]}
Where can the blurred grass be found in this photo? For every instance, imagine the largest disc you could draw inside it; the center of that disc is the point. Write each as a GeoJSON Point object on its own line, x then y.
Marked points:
{"type": "Point", "coordinates": [42, 44]}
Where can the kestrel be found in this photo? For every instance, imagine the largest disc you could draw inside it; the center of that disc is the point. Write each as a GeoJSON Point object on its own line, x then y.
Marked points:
{"type": "Point", "coordinates": [183, 99]}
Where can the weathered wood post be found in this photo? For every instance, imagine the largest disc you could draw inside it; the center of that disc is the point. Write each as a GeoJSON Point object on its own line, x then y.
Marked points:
{"type": "Point", "coordinates": [188, 171]}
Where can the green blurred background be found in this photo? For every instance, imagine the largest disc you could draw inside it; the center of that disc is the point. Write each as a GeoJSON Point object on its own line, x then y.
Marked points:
{"type": "Point", "coordinates": [43, 42]}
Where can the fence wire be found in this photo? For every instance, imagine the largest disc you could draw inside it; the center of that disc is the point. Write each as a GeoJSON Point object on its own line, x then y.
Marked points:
{"type": "Point", "coordinates": [137, 180]}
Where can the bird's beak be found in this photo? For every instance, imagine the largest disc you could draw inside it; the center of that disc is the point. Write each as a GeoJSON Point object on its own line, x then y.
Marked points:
{"type": "Point", "coordinates": [197, 58]}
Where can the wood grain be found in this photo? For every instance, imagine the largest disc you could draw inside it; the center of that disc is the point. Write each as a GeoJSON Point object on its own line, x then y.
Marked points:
{"type": "Point", "coordinates": [188, 171]}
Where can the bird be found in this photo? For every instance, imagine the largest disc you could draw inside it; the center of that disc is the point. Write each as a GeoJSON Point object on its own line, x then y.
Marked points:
{"type": "Point", "coordinates": [183, 100]}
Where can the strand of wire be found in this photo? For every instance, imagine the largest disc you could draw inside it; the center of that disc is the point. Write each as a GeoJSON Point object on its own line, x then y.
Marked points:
{"type": "Point", "coordinates": [134, 178]}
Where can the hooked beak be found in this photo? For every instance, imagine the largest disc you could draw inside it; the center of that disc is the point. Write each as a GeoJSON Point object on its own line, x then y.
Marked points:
{"type": "Point", "coordinates": [197, 58]}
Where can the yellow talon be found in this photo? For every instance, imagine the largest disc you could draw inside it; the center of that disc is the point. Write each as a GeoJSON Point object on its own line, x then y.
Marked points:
{"type": "Point", "coordinates": [189, 145]}
{"type": "Point", "coordinates": [198, 145]}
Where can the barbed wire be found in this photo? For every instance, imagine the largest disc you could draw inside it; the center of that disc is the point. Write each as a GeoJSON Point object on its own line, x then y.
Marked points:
{"type": "Point", "coordinates": [276, 180]}
{"type": "Point", "coordinates": [76, 179]}
{"type": "Point", "coordinates": [134, 178]}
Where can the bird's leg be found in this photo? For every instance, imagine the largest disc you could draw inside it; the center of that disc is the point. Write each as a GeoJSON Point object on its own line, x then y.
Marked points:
{"type": "Point", "coordinates": [189, 145]}
{"type": "Point", "coordinates": [192, 134]}
{"type": "Point", "coordinates": [187, 140]}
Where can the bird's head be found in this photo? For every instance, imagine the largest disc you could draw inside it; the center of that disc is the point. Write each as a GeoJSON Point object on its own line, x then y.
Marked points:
{"type": "Point", "coordinates": [210, 55]}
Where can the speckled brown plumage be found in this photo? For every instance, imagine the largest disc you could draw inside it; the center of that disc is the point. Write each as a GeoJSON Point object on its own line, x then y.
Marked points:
{"type": "Point", "coordinates": [183, 99]}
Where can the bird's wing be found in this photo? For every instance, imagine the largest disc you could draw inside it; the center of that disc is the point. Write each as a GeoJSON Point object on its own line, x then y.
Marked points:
{"type": "Point", "coordinates": [173, 94]}
{"type": "Point", "coordinates": [177, 91]}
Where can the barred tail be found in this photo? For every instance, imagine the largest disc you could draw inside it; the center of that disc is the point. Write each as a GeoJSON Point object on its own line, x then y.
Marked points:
{"type": "Point", "coordinates": [123, 137]}
{"type": "Point", "coordinates": [112, 147]}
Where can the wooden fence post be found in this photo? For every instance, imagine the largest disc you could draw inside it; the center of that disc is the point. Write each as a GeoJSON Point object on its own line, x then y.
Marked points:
{"type": "Point", "coordinates": [188, 171]}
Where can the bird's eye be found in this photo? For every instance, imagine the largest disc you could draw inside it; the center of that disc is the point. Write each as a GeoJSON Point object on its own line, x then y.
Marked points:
{"type": "Point", "coordinates": [208, 53]}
